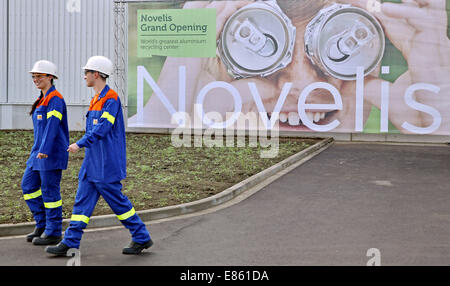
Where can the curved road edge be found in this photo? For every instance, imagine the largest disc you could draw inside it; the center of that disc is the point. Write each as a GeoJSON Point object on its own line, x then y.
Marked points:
{"type": "Point", "coordinates": [229, 194]}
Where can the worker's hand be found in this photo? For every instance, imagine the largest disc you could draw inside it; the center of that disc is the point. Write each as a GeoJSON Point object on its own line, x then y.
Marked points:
{"type": "Point", "coordinates": [74, 148]}
{"type": "Point", "coordinates": [42, 156]}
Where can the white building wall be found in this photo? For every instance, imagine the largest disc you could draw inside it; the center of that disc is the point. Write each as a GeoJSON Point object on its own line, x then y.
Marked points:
{"type": "Point", "coordinates": [3, 50]}
{"type": "Point", "coordinates": [47, 29]}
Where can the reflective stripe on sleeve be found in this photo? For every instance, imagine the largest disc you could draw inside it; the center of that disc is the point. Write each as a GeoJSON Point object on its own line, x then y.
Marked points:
{"type": "Point", "coordinates": [81, 218]}
{"type": "Point", "coordinates": [53, 205]}
{"type": "Point", "coordinates": [127, 215]}
{"type": "Point", "coordinates": [34, 195]}
{"type": "Point", "coordinates": [108, 116]}
{"type": "Point", "coordinates": [55, 113]}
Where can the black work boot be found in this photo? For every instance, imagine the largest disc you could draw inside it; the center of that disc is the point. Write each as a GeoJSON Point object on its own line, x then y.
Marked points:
{"type": "Point", "coordinates": [136, 248]}
{"type": "Point", "coordinates": [36, 233]}
{"type": "Point", "coordinates": [58, 250]}
{"type": "Point", "coordinates": [44, 239]}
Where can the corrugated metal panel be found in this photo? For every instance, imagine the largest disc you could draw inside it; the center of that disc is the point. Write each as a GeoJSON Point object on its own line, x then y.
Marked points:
{"type": "Point", "coordinates": [45, 29]}
{"type": "Point", "coordinates": [3, 50]}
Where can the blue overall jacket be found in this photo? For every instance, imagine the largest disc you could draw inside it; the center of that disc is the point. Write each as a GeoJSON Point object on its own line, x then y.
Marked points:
{"type": "Point", "coordinates": [105, 143]}
{"type": "Point", "coordinates": [51, 133]}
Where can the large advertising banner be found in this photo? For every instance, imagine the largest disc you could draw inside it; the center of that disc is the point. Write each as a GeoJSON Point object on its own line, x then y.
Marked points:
{"type": "Point", "coordinates": [353, 66]}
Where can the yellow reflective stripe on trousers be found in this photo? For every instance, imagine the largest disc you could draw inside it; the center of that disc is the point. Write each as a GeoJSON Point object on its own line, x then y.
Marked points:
{"type": "Point", "coordinates": [53, 205]}
{"type": "Point", "coordinates": [81, 218]}
{"type": "Point", "coordinates": [34, 195]}
{"type": "Point", "coordinates": [127, 215]}
{"type": "Point", "coordinates": [55, 113]}
{"type": "Point", "coordinates": [108, 116]}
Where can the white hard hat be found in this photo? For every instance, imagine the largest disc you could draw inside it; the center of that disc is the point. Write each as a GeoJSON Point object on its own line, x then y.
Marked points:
{"type": "Point", "coordinates": [100, 64]}
{"type": "Point", "coordinates": [45, 67]}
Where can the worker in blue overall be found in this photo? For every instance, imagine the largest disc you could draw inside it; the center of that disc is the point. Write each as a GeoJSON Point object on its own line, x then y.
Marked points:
{"type": "Point", "coordinates": [42, 176]}
{"type": "Point", "coordinates": [104, 165]}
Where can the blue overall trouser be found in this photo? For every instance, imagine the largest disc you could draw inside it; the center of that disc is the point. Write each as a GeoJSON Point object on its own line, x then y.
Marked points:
{"type": "Point", "coordinates": [41, 190]}
{"type": "Point", "coordinates": [87, 196]}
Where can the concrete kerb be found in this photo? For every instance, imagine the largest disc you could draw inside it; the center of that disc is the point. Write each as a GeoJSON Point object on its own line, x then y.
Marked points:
{"type": "Point", "coordinates": [183, 209]}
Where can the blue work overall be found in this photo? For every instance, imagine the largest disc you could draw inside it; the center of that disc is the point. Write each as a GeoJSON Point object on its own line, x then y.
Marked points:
{"type": "Point", "coordinates": [42, 177]}
{"type": "Point", "coordinates": [103, 168]}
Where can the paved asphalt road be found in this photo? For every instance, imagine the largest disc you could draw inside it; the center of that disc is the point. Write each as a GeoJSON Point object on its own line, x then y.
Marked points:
{"type": "Point", "coordinates": [329, 211]}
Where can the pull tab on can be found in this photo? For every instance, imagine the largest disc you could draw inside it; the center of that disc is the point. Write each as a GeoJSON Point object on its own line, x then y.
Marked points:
{"type": "Point", "coordinates": [257, 40]}
{"type": "Point", "coordinates": [346, 45]}
{"type": "Point", "coordinates": [341, 38]}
